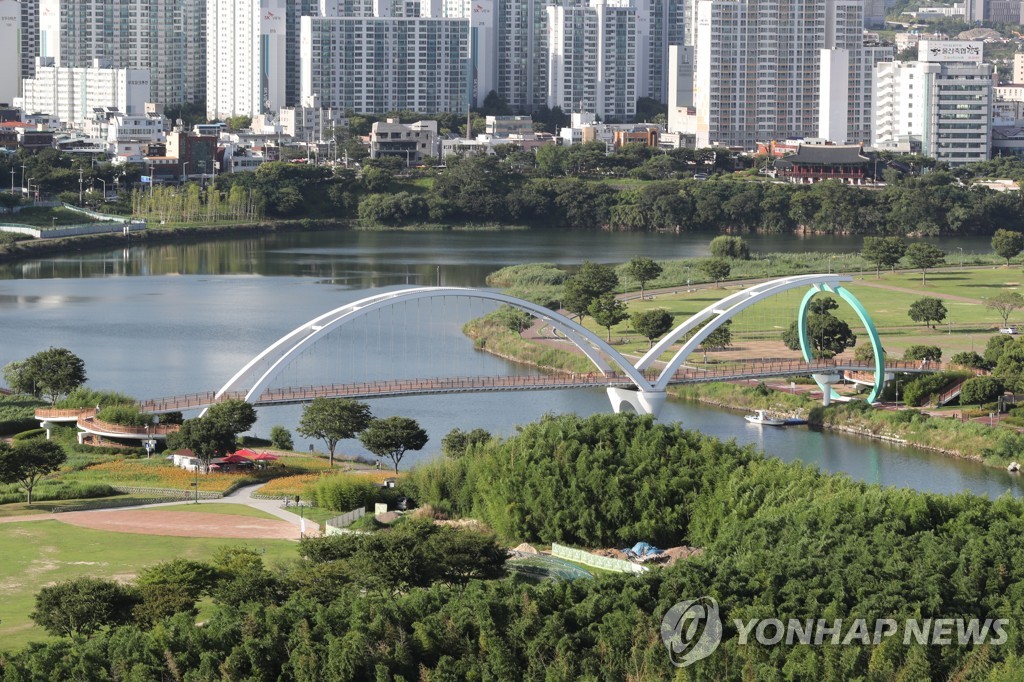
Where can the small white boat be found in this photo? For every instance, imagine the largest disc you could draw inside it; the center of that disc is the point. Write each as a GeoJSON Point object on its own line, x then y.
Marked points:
{"type": "Point", "coordinates": [761, 417]}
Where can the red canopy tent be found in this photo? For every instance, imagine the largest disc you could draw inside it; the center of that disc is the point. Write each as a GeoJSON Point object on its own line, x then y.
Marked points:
{"type": "Point", "coordinates": [235, 458]}
{"type": "Point", "coordinates": [264, 457]}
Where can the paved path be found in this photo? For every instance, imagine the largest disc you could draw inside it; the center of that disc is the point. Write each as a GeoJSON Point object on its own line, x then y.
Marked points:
{"type": "Point", "coordinates": [245, 527]}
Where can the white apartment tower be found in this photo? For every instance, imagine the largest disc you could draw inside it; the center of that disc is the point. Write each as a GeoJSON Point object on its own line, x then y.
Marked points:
{"type": "Point", "coordinates": [246, 57]}
{"type": "Point", "coordinates": [29, 37]}
{"type": "Point", "coordinates": [943, 101]}
{"type": "Point", "coordinates": [73, 93]}
{"type": "Point", "coordinates": [593, 59]}
{"type": "Point", "coordinates": [522, 53]}
{"type": "Point", "coordinates": [165, 37]}
{"type": "Point", "coordinates": [10, 50]}
{"type": "Point", "coordinates": [483, 43]}
{"type": "Point", "coordinates": [846, 75]}
{"type": "Point", "coordinates": [386, 63]}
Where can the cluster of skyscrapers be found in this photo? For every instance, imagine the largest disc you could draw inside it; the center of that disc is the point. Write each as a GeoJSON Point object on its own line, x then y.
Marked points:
{"type": "Point", "coordinates": [733, 72]}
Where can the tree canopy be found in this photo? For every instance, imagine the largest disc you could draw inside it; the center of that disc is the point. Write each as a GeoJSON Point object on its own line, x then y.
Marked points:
{"type": "Point", "coordinates": [27, 462]}
{"type": "Point", "coordinates": [52, 373]}
{"type": "Point", "coordinates": [1007, 244]}
{"type": "Point", "coordinates": [643, 270]}
{"type": "Point", "coordinates": [588, 283]}
{"type": "Point", "coordinates": [924, 256]}
{"type": "Point", "coordinates": [334, 419]}
{"type": "Point", "coordinates": [884, 252]}
{"type": "Point", "coordinates": [928, 310]}
{"type": "Point", "coordinates": [608, 311]}
{"type": "Point", "coordinates": [652, 324]}
{"type": "Point", "coordinates": [392, 437]}
{"type": "Point", "coordinates": [1003, 304]}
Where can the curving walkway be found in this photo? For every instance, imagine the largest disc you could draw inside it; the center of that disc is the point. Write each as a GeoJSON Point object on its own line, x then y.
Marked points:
{"type": "Point", "coordinates": [189, 524]}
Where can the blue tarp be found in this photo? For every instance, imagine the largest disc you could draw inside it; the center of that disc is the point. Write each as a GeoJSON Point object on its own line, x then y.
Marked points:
{"type": "Point", "coordinates": [641, 549]}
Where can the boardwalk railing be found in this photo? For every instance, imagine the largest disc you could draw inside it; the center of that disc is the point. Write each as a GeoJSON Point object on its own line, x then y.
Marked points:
{"type": "Point", "coordinates": [398, 387]}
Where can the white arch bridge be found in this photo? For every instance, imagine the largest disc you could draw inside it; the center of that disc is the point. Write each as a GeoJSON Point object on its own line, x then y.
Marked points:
{"type": "Point", "coordinates": [642, 385]}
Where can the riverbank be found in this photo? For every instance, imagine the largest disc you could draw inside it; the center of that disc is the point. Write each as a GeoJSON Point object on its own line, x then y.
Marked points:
{"type": "Point", "coordinates": [185, 234]}
{"type": "Point", "coordinates": [975, 442]}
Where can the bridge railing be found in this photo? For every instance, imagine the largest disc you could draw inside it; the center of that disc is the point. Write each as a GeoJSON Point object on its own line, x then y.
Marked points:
{"type": "Point", "coordinates": [91, 423]}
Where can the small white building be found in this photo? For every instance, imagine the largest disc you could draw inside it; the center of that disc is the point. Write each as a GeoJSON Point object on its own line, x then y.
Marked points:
{"type": "Point", "coordinates": [410, 142]}
{"type": "Point", "coordinates": [311, 122]}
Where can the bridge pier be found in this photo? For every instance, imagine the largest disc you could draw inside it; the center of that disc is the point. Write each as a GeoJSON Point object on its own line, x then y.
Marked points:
{"type": "Point", "coordinates": [826, 381]}
{"type": "Point", "coordinates": [643, 402]}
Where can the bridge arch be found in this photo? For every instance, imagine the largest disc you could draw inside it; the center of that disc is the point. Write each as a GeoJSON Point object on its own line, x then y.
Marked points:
{"type": "Point", "coordinates": [258, 373]}
{"type": "Point", "coordinates": [869, 325]}
{"type": "Point", "coordinates": [718, 313]}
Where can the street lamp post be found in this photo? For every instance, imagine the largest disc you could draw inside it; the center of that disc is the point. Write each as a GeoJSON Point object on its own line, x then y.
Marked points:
{"type": "Point", "coordinates": [12, 180]}
{"type": "Point", "coordinates": [81, 191]}
{"type": "Point", "coordinates": [897, 394]}
{"type": "Point", "coordinates": [184, 171]}
{"type": "Point", "coordinates": [23, 176]}
{"type": "Point", "coordinates": [961, 249]}
{"type": "Point", "coordinates": [104, 187]}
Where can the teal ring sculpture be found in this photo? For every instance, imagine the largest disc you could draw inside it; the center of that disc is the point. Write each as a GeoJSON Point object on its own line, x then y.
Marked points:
{"type": "Point", "coordinates": [869, 325]}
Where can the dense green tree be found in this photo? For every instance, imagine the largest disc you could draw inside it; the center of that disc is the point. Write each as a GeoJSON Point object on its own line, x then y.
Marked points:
{"type": "Point", "coordinates": [995, 346]}
{"type": "Point", "coordinates": [27, 462]}
{"type": "Point", "coordinates": [458, 442]}
{"type": "Point", "coordinates": [725, 246]}
{"type": "Point", "coordinates": [607, 312]}
{"type": "Point", "coordinates": [588, 283]}
{"type": "Point", "coordinates": [923, 352]}
{"type": "Point", "coordinates": [651, 324]}
{"type": "Point", "coordinates": [82, 606]}
{"type": "Point", "coordinates": [1004, 304]}
{"type": "Point", "coordinates": [334, 419]}
{"type": "Point", "coordinates": [643, 270]}
{"type": "Point", "coordinates": [206, 438]}
{"type": "Point", "coordinates": [827, 334]}
{"type": "Point", "coordinates": [924, 257]}
{"type": "Point", "coordinates": [392, 437]}
{"type": "Point", "coordinates": [928, 310]}
{"type": "Point", "coordinates": [1010, 365]}
{"type": "Point", "coordinates": [52, 373]}
{"type": "Point", "coordinates": [883, 252]}
{"type": "Point", "coordinates": [281, 438]}
{"type": "Point", "coordinates": [514, 319]}
{"type": "Point", "coordinates": [865, 353]}
{"type": "Point", "coordinates": [1007, 244]}
{"type": "Point", "coordinates": [968, 358]}
{"type": "Point", "coordinates": [980, 390]}
{"type": "Point", "coordinates": [715, 269]}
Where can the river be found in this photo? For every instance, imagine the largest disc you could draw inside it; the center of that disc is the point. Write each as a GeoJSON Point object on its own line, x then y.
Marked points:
{"type": "Point", "coordinates": [170, 319]}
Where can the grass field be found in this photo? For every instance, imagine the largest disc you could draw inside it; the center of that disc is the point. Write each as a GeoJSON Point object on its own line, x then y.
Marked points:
{"type": "Point", "coordinates": [40, 553]}
{"type": "Point", "coordinates": [887, 300]}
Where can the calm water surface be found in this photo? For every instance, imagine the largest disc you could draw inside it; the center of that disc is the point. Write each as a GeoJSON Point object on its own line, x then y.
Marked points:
{"type": "Point", "coordinates": [163, 320]}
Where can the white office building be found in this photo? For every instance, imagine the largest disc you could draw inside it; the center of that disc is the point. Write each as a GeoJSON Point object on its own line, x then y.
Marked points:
{"type": "Point", "coordinates": [943, 102]}
{"type": "Point", "coordinates": [311, 122]}
{"type": "Point", "coordinates": [10, 50]}
{"type": "Point", "coordinates": [72, 94]}
{"type": "Point", "coordinates": [246, 57]}
{"type": "Point", "coordinates": [593, 59]}
{"type": "Point", "coordinates": [165, 37]}
{"type": "Point", "coordinates": [847, 74]}
{"type": "Point", "coordinates": [380, 64]}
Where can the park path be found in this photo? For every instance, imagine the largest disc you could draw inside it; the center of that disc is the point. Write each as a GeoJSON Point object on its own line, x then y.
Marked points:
{"type": "Point", "coordinates": [918, 292]}
{"type": "Point", "coordinates": [193, 524]}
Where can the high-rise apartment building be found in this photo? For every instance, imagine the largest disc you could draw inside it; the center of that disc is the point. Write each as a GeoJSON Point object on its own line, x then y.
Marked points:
{"type": "Point", "coordinates": [73, 93]}
{"type": "Point", "coordinates": [246, 57]}
{"type": "Point", "coordinates": [522, 53]}
{"type": "Point", "coordinates": [10, 50]}
{"type": "Point", "coordinates": [593, 58]}
{"type": "Point", "coordinates": [942, 102]}
{"type": "Point", "coordinates": [381, 64]}
{"type": "Point", "coordinates": [846, 75]}
{"type": "Point", "coordinates": [163, 36]}
{"type": "Point", "coordinates": [29, 37]}
{"type": "Point", "coordinates": [757, 70]}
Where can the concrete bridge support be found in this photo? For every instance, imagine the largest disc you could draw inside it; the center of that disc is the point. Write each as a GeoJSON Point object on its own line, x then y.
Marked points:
{"type": "Point", "coordinates": [826, 381]}
{"type": "Point", "coordinates": [642, 402]}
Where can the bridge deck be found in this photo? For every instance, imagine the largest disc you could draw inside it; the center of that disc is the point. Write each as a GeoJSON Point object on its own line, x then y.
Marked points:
{"type": "Point", "coordinates": [403, 387]}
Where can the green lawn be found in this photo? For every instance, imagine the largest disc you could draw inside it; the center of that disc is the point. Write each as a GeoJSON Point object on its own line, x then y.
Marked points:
{"type": "Point", "coordinates": [972, 322]}
{"type": "Point", "coordinates": [38, 553]}
{"type": "Point", "coordinates": [216, 508]}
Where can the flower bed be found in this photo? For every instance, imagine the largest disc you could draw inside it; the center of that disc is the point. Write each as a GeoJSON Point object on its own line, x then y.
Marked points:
{"type": "Point", "coordinates": [288, 486]}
